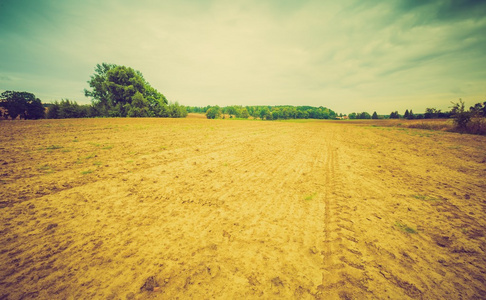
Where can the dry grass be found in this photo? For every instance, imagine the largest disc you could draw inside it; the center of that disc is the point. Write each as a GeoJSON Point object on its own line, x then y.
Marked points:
{"type": "Point", "coordinates": [427, 124]}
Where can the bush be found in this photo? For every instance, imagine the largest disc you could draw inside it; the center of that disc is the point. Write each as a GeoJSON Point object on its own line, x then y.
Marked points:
{"type": "Point", "coordinates": [468, 121]}
{"type": "Point", "coordinates": [23, 104]}
{"type": "Point", "coordinates": [213, 112]}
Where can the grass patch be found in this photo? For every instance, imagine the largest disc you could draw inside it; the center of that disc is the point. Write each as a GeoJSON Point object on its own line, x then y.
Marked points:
{"type": "Point", "coordinates": [97, 163]}
{"type": "Point", "coordinates": [75, 141]}
{"type": "Point", "coordinates": [424, 197]}
{"type": "Point", "coordinates": [44, 168]}
{"type": "Point", "coordinates": [54, 147]}
{"type": "Point", "coordinates": [405, 228]}
{"type": "Point", "coordinates": [454, 147]}
{"type": "Point", "coordinates": [310, 197]}
{"type": "Point", "coordinates": [107, 147]}
{"type": "Point", "coordinates": [86, 172]}
{"type": "Point", "coordinates": [90, 156]}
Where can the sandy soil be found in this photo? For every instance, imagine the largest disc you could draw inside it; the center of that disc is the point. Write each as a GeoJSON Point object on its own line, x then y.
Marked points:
{"type": "Point", "coordinates": [195, 208]}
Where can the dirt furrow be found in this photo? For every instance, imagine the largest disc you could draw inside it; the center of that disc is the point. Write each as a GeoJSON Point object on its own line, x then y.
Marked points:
{"type": "Point", "coordinates": [147, 209]}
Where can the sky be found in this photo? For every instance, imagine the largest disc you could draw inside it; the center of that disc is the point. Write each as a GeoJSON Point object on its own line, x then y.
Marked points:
{"type": "Point", "coordinates": [347, 55]}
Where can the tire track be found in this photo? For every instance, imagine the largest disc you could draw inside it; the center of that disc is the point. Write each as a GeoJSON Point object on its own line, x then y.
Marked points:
{"type": "Point", "coordinates": [344, 272]}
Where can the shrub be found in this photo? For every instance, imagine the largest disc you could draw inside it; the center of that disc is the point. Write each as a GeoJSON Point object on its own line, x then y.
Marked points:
{"type": "Point", "coordinates": [468, 121]}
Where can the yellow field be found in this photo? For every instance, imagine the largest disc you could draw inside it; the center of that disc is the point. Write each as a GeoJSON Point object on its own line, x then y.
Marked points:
{"type": "Point", "coordinates": [196, 208]}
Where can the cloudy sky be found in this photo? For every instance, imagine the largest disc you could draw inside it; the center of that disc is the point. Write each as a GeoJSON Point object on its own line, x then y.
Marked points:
{"type": "Point", "coordinates": [347, 55]}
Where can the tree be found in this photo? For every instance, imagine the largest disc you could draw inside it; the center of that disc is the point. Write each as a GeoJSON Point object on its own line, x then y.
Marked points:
{"type": "Point", "coordinates": [213, 112]}
{"type": "Point", "coordinates": [177, 111]}
{"type": "Point", "coordinates": [265, 113]}
{"type": "Point", "coordinates": [244, 113]}
{"type": "Point", "coordinates": [374, 116]}
{"type": "Point", "coordinates": [470, 121]}
{"type": "Point", "coordinates": [394, 115]}
{"type": "Point", "coordinates": [35, 109]}
{"type": "Point", "coordinates": [120, 91]}
{"type": "Point", "coordinates": [431, 113]}
{"type": "Point", "coordinates": [364, 115]}
{"type": "Point", "coordinates": [53, 111]}
{"type": "Point", "coordinates": [406, 114]}
{"type": "Point", "coordinates": [22, 104]}
{"type": "Point", "coordinates": [138, 107]}
{"type": "Point", "coordinates": [231, 110]}
{"type": "Point", "coordinates": [411, 116]}
{"type": "Point", "coordinates": [460, 115]}
{"type": "Point", "coordinates": [479, 109]}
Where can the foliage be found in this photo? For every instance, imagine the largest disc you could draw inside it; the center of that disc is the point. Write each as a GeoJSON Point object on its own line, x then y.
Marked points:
{"type": "Point", "coordinates": [479, 109]}
{"type": "Point", "coordinates": [244, 113]}
{"type": "Point", "coordinates": [469, 121]}
{"type": "Point", "coordinates": [120, 91]}
{"type": "Point", "coordinates": [70, 109]}
{"type": "Point", "coordinates": [361, 115]}
{"type": "Point", "coordinates": [394, 115]}
{"type": "Point", "coordinates": [214, 112]}
{"type": "Point", "coordinates": [283, 112]}
{"type": "Point", "coordinates": [461, 117]}
{"type": "Point", "coordinates": [22, 104]}
{"type": "Point", "coordinates": [175, 110]}
{"type": "Point", "coordinates": [409, 115]}
{"type": "Point", "coordinates": [374, 116]}
{"type": "Point", "coordinates": [433, 113]}
{"type": "Point", "coordinates": [405, 228]}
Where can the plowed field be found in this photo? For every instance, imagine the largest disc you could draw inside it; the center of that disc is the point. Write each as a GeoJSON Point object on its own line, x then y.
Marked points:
{"type": "Point", "coordinates": [195, 208]}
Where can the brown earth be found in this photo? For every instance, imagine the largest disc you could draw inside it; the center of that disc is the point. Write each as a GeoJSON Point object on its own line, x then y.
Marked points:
{"type": "Point", "coordinates": [195, 208]}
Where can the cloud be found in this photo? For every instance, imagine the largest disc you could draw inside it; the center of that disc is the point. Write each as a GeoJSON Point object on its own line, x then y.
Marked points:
{"type": "Point", "coordinates": [357, 55]}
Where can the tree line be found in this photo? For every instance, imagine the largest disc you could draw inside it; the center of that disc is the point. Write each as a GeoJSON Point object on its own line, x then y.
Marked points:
{"type": "Point", "coordinates": [430, 113]}
{"type": "Point", "coordinates": [115, 91]}
{"type": "Point", "coordinates": [120, 91]}
{"type": "Point", "coordinates": [280, 112]}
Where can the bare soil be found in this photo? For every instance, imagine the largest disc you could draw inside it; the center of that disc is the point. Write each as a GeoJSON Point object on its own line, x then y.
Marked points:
{"type": "Point", "coordinates": [195, 208]}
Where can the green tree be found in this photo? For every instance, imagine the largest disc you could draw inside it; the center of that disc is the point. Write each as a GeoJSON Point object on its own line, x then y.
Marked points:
{"type": "Point", "coordinates": [244, 113]}
{"type": "Point", "coordinates": [364, 115]}
{"type": "Point", "coordinates": [213, 112]}
{"type": "Point", "coordinates": [35, 109]}
{"type": "Point", "coordinates": [177, 111]}
{"type": "Point", "coordinates": [461, 117]}
{"type": "Point", "coordinates": [231, 110]}
{"type": "Point", "coordinates": [22, 104]}
{"type": "Point", "coordinates": [120, 91]}
{"type": "Point", "coordinates": [374, 116]}
{"type": "Point", "coordinates": [265, 113]}
{"type": "Point", "coordinates": [53, 111]}
{"type": "Point", "coordinates": [138, 106]}
{"type": "Point", "coordinates": [69, 109]}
